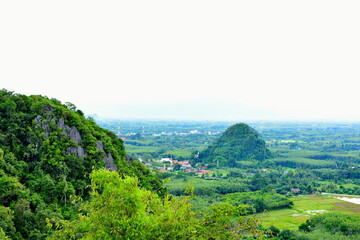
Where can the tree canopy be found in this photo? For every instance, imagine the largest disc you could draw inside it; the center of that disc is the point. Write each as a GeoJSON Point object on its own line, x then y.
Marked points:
{"type": "Point", "coordinates": [120, 209]}
{"type": "Point", "coordinates": [238, 142]}
{"type": "Point", "coordinates": [47, 152]}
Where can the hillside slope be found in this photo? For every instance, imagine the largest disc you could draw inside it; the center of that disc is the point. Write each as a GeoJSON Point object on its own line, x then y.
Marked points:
{"type": "Point", "coordinates": [238, 142]}
{"type": "Point", "coordinates": [47, 151]}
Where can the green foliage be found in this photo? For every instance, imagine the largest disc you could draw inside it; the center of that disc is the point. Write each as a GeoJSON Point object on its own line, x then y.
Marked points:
{"type": "Point", "coordinates": [47, 151]}
{"type": "Point", "coordinates": [238, 142]}
{"type": "Point", "coordinates": [332, 225]}
{"type": "Point", "coordinates": [337, 222]}
{"type": "Point", "coordinates": [287, 235]}
{"type": "Point", "coordinates": [42, 168]}
{"type": "Point", "coordinates": [272, 231]}
{"type": "Point", "coordinates": [304, 162]}
{"type": "Point", "coordinates": [6, 221]}
{"type": "Point", "coordinates": [205, 187]}
{"type": "Point", "coordinates": [259, 200]}
{"type": "Point", "coordinates": [120, 209]}
{"type": "Point", "coordinates": [3, 235]}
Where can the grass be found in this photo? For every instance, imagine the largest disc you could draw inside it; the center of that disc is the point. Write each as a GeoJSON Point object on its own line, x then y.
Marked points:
{"type": "Point", "coordinates": [307, 162]}
{"type": "Point", "coordinates": [179, 153]}
{"type": "Point", "coordinates": [142, 149]}
{"type": "Point", "coordinates": [303, 208]}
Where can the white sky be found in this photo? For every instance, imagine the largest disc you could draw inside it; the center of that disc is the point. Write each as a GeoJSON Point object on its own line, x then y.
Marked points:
{"type": "Point", "coordinates": [300, 59]}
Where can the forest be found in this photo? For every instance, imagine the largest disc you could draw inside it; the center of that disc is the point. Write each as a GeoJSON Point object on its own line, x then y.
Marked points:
{"type": "Point", "coordinates": [67, 176]}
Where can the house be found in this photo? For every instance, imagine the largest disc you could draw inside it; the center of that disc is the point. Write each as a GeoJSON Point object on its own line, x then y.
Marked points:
{"type": "Point", "coordinates": [200, 172]}
{"type": "Point", "coordinates": [183, 163]}
{"type": "Point", "coordinates": [295, 190]}
{"type": "Point", "coordinates": [188, 166]}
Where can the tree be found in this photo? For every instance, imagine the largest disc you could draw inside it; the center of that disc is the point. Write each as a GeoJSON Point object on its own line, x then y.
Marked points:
{"type": "Point", "coordinates": [220, 161]}
{"type": "Point", "coordinates": [238, 142]}
{"type": "Point", "coordinates": [120, 209]}
{"type": "Point", "coordinates": [6, 221]}
{"type": "Point", "coordinates": [286, 235]}
{"type": "Point", "coordinates": [272, 231]}
{"type": "Point", "coordinates": [47, 151]}
{"type": "Point", "coordinates": [3, 235]}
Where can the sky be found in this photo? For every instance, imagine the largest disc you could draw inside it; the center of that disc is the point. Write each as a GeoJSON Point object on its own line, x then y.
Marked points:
{"type": "Point", "coordinates": [223, 60]}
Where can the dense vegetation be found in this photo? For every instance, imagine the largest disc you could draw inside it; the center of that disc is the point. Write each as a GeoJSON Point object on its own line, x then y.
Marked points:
{"type": "Point", "coordinates": [53, 183]}
{"type": "Point", "coordinates": [308, 158]}
{"type": "Point", "coordinates": [47, 151]}
{"type": "Point", "coordinates": [120, 209]}
{"type": "Point", "coordinates": [238, 142]}
{"type": "Point", "coordinates": [332, 226]}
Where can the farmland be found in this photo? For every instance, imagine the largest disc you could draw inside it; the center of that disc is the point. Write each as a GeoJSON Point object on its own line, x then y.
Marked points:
{"type": "Point", "coordinates": [304, 207]}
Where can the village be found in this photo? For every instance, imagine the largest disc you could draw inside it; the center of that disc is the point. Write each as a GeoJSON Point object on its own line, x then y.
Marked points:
{"type": "Point", "coordinates": [172, 165]}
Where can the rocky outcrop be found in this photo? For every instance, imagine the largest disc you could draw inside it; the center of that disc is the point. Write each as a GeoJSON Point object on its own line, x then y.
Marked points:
{"type": "Point", "coordinates": [75, 136]}
{"type": "Point", "coordinates": [108, 159]}
{"type": "Point", "coordinates": [71, 132]}
{"type": "Point", "coordinates": [78, 151]}
{"type": "Point", "coordinates": [109, 163]}
{"type": "Point", "coordinates": [44, 124]}
{"type": "Point", "coordinates": [100, 146]}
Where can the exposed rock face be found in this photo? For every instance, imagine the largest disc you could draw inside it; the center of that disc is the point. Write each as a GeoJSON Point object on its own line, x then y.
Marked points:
{"type": "Point", "coordinates": [108, 159]}
{"type": "Point", "coordinates": [75, 136]}
{"type": "Point", "coordinates": [71, 132]}
{"type": "Point", "coordinates": [61, 124]}
{"type": "Point", "coordinates": [100, 146]}
{"type": "Point", "coordinates": [44, 124]}
{"type": "Point", "coordinates": [78, 151]}
{"type": "Point", "coordinates": [109, 163]}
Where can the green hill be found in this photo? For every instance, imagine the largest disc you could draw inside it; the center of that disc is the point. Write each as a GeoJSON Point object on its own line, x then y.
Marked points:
{"type": "Point", "coordinates": [47, 151]}
{"type": "Point", "coordinates": [239, 142]}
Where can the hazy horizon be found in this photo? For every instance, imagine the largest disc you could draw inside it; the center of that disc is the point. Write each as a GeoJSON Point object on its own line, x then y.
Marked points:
{"type": "Point", "coordinates": [278, 60]}
{"type": "Point", "coordinates": [200, 111]}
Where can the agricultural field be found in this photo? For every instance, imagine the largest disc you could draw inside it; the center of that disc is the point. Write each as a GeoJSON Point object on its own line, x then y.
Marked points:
{"type": "Point", "coordinates": [304, 207]}
{"type": "Point", "coordinates": [308, 159]}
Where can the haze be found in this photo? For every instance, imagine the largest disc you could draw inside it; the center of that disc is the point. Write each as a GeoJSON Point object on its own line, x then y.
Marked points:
{"type": "Point", "coordinates": [186, 59]}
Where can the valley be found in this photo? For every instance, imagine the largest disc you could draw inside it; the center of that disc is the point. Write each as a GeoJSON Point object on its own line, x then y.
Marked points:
{"type": "Point", "coordinates": [310, 162]}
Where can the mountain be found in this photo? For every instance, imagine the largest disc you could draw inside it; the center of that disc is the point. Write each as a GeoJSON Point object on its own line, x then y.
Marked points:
{"type": "Point", "coordinates": [47, 151]}
{"type": "Point", "coordinates": [239, 142]}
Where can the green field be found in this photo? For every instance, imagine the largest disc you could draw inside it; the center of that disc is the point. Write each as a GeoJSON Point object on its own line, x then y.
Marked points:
{"type": "Point", "coordinates": [304, 207]}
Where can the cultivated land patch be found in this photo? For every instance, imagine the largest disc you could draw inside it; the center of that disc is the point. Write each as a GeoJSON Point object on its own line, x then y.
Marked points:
{"type": "Point", "coordinates": [352, 200]}
{"type": "Point", "coordinates": [304, 207]}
